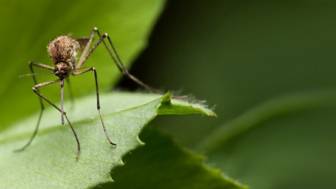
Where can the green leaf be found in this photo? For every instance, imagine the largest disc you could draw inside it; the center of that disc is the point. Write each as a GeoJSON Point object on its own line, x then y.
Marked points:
{"type": "Point", "coordinates": [277, 107]}
{"type": "Point", "coordinates": [28, 26]}
{"type": "Point", "coordinates": [50, 161]}
{"type": "Point", "coordinates": [162, 164]}
{"type": "Point", "coordinates": [294, 135]}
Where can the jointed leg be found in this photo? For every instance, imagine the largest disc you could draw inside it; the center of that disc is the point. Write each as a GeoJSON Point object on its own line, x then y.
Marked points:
{"type": "Point", "coordinates": [72, 99]}
{"type": "Point", "coordinates": [118, 62]}
{"type": "Point", "coordinates": [31, 68]}
{"type": "Point", "coordinates": [36, 91]}
{"type": "Point", "coordinates": [36, 88]}
{"type": "Point", "coordinates": [92, 69]}
{"type": "Point", "coordinates": [41, 66]}
{"type": "Point", "coordinates": [114, 55]}
{"type": "Point", "coordinates": [62, 101]}
{"type": "Point", "coordinates": [86, 51]}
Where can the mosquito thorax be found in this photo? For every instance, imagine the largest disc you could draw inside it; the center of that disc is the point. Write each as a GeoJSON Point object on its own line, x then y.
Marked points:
{"type": "Point", "coordinates": [63, 49]}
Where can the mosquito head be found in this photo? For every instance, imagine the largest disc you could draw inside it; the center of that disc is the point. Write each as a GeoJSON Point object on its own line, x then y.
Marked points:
{"type": "Point", "coordinates": [62, 70]}
{"type": "Point", "coordinates": [63, 49]}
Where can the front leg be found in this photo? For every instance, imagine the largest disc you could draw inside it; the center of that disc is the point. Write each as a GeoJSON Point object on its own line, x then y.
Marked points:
{"type": "Point", "coordinates": [31, 68]}
{"type": "Point", "coordinates": [43, 98]}
{"type": "Point", "coordinates": [92, 69]}
{"type": "Point", "coordinates": [33, 64]}
{"type": "Point", "coordinates": [114, 55]}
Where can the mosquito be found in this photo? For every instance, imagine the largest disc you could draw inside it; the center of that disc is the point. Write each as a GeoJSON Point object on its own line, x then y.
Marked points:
{"type": "Point", "coordinates": [63, 52]}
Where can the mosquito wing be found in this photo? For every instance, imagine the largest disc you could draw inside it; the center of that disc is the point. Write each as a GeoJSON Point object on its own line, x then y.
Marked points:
{"type": "Point", "coordinates": [82, 42]}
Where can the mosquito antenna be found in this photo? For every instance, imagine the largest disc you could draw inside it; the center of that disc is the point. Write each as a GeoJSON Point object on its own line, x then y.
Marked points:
{"type": "Point", "coordinates": [26, 75]}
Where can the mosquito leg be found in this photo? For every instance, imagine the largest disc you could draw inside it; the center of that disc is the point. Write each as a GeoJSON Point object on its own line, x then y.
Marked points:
{"type": "Point", "coordinates": [120, 65]}
{"type": "Point", "coordinates": [62, 101]}
{"type": "Point", "coordinates": [36, 91]}
{"type": "Point", "coordinates": [31, 68]}
{"type": "Point", "coordinates": [86, 52]}
{"type": "Point", "coordinates": [39, 118]}
{"type": "Point", "coordinates": [42, 97]}
{"type": "Point", "coordinates": [34, 133]}
{"type": "Point", "coordinates": [72, 99]}
{"type": "Point", "coordinates": [114, 55]}
{"type": "Point", "coordinates": [92, 69]}
{"type": "Point", "coordinates": [41, 66]}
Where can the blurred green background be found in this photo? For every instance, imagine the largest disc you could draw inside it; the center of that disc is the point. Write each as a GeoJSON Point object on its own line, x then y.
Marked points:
{"type": "Point", "coordinates": [238, 55]}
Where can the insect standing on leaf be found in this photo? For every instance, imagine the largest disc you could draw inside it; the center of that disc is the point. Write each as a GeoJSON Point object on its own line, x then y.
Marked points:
{"type": "Point", "coordinates": [63, 51]}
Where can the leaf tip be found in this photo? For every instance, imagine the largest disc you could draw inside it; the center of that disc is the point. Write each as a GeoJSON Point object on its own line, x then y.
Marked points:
{"type": "Point", "coordinates": [211, 113]}
{"type": "Point", "coordinates": [167, 97]}
{"type": "Point", "coordinates": [140, 142]}
{"type": "Point", "coordinates": [121, 162]}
